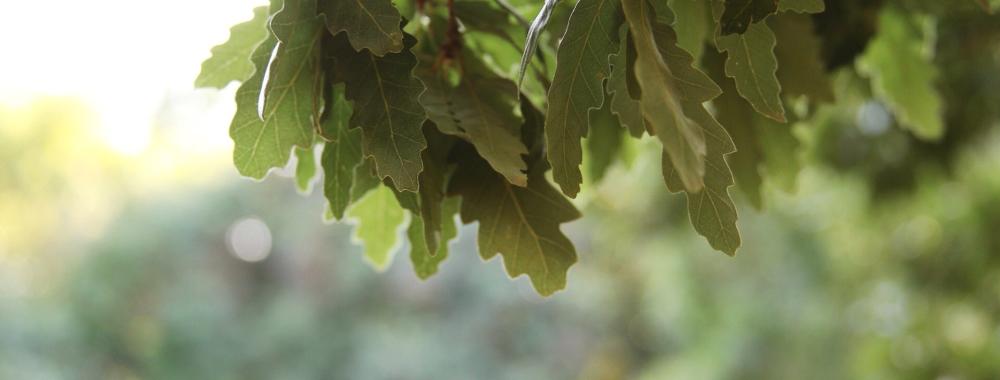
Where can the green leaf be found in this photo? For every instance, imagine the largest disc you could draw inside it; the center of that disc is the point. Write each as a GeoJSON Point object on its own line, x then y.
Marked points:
{"type": "Point", "coordinates": [692, 22]}
{"type": "Point", "coordinates": [800, 66]}
{"type": "Point", "coordinates": [661, 98]}
{"type": "Point", "coordinates": [230, 61]}
{"type": "Point", "coordinates": [578, 85]}
{"type": "Point", "coordinates": [481, 110]}
{"type": "Point", "coordinates": [425, 262]}
{"type": "Point", "coordinates": [711, 210]}
{"type": "Point", "coordinates": [740, 14]}
{"type": "Point", "coordinates": [604, 142]}
{"type": "Point", "coordinates": [762, 145]}
{"type": "Point", "coordinates": [305, 169]}
{"type": "Point", "coordinates": [522, 224]}
{"type": "Point", "coordinates": [802, 6]}
{"type": "Point", "coordinates": [899, 63]}
{"type": "Point", "coordinates": [369, 24]}
{"type": "Point", "coordinates": [384, 94]}
{"type": "Point", "coordinates": [752, 63]}
{"type": "Point", "coordinates": [264, 137]}
{"type": "Point", "coordinates": [628, 110]}
{"type": "Point", "coordinates": [341, 154]}
{"type": "Point", "coordinates": [427, 203]}
{"type": "Point", "coordinates": [379, 218]}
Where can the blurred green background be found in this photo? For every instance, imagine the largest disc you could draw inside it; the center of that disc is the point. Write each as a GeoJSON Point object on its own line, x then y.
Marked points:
{"type": "Point", "coordinates": [141, 254]}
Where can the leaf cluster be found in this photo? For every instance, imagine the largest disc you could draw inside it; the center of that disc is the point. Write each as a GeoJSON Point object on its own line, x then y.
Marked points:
{"type": "Point", "coordinates": [427, 110]}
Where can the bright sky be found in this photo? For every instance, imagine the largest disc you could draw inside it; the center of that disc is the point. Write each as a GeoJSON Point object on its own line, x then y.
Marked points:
{"type": "Point", "coordinates": [123, 57]}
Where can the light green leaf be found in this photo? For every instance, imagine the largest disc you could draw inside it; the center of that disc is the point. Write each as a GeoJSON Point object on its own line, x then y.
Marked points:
{"type": "Point", "coordinates": [802, 6]}
{"type": "Point", "coordinates": [481, 109]}
{"type": "Point", "coordinates": [264, 136]}
{"type": "Point", "coordinates": [800, 66]}
{"type": "Point", "coordinates": [425, 262]}
{"type": "Point", "coordinates": [378, 220]}
{"type": "Point", "coordinates": [899, 63]}
{"type": "Point", "coordinates": [384, 95]}
{"type": "Point", "coordinates": [341, 154]}
{"type": "Point", "coordinates": [522, 224]}
{"type": "Point", "coordinates": [682, 139]}
{"type": "Point", "coordinates": [752, 63]}
{"type": "Point", "coordinates": [230, 61]}
{"type": "Point", "coordinates": [740, 14]}
{"type": "Point", "coordinates": [369, 24]}
{"type": "Point", "coordinates": [305, 169]}
{"type": "Point", "coordinates": [578, 85]}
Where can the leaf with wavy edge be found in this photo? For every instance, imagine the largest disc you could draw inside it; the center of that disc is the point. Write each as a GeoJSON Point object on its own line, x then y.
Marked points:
{"type": "Point", "coordinates": [230, 61]}
{"type": "Point", "coordinates": [369, 24]}
{"type": "Point", "coordinates": [480, 110]}
{"type": "Point", "coordinates": [583, 64]}
{"type": "Point", "coordinates": [520, 223]}
{"type": "Point", "coordinates": [264, 135]}
{"type": "Point", "coordinates": [384, 94]}
{"type": "Point", "coordinates": [662, 95]}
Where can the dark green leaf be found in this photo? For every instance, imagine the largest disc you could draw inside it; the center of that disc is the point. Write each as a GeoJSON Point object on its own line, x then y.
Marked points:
{"type": "Point", "coordinates": [341, 154]}
{"type": "Point", "coordinates": [578, 86]}
{"type": "Point", "coordinates": [384, 95]}
{"type": "Point", "coordinates": [481, 109]}
{"type": "Point", "coordinates": [369, 24]}
{"type": "Point", "coordinates": [740, 14]}
{"type": "Point", "coordinates": [522, 224]}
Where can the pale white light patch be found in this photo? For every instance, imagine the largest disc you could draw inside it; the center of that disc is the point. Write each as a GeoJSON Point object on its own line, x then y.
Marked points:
{"type": "Point", "coordinates": [249, 239]}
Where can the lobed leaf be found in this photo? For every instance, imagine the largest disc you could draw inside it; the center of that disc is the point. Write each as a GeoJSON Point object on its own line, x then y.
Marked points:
{"type": "Point", "coordinates": [371, 25]}
{"type": "Point", "coordinates": [682, 139]}
{"type": "Point", "coordinates": [578, 85]}
{"type": "Point", "coordinates": [264, 134]}
{"type": "Point", "coordinates": [384, 95]}
{"type": "Point", "coordinates": [230, 61]}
